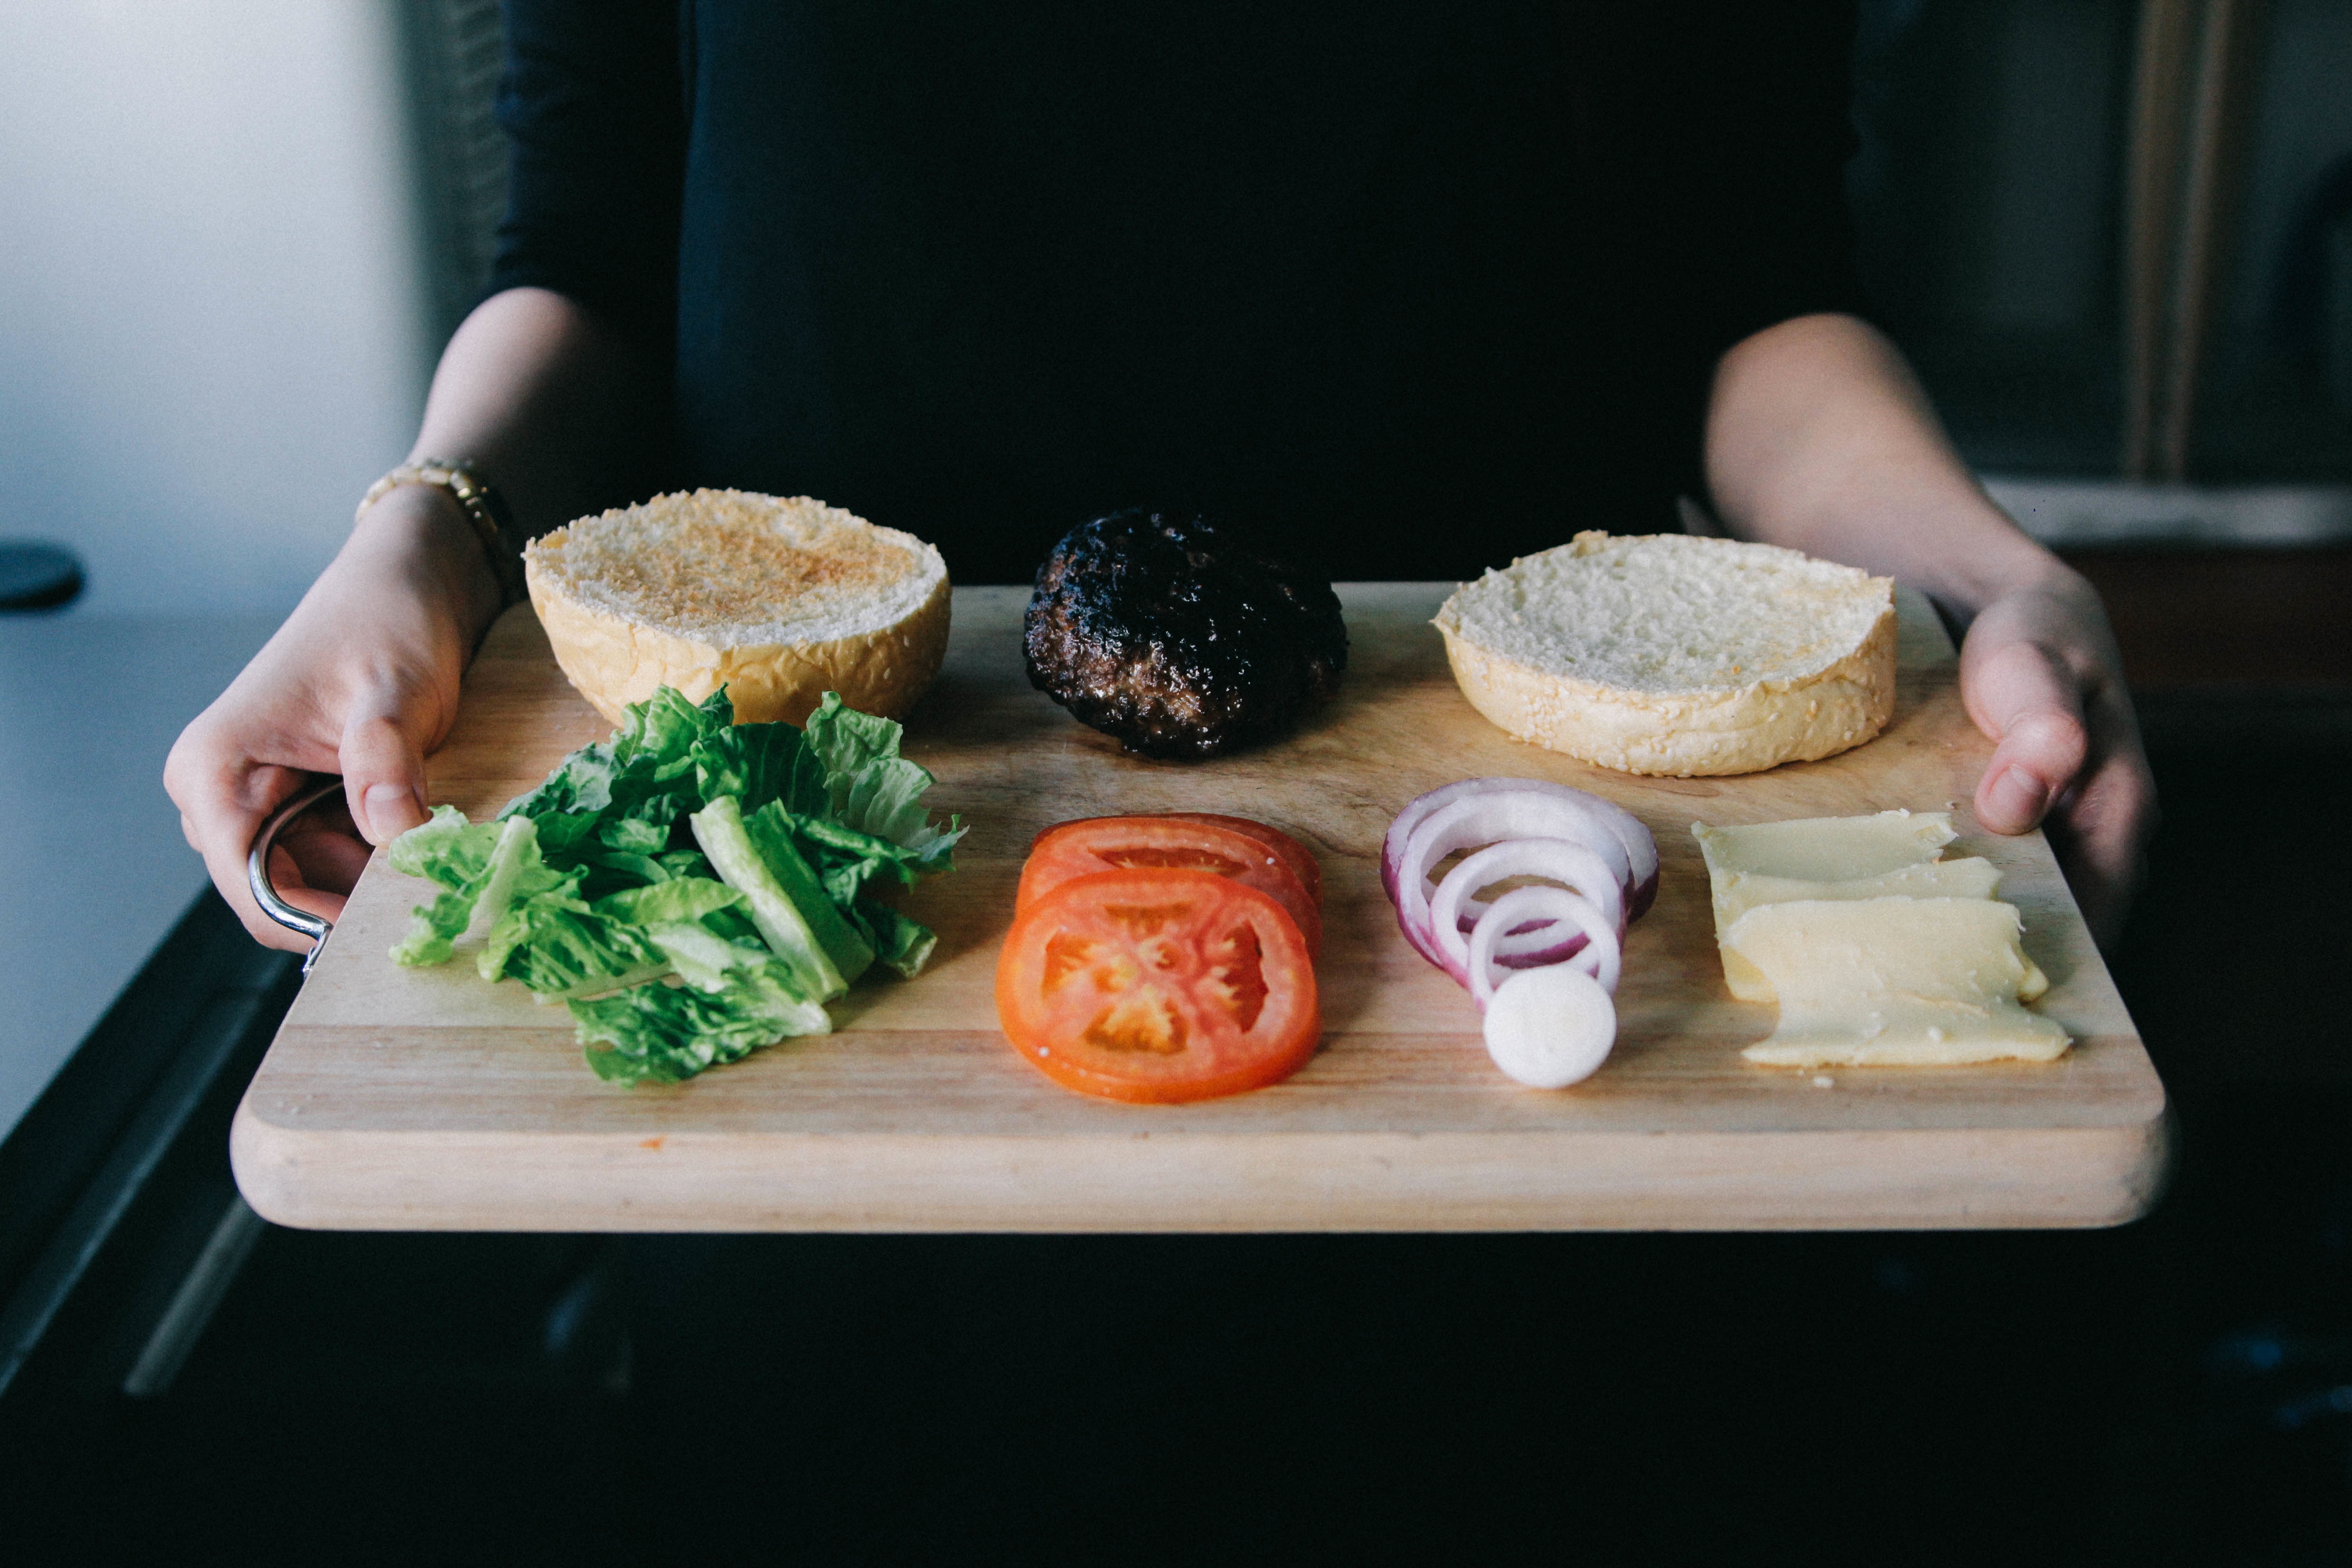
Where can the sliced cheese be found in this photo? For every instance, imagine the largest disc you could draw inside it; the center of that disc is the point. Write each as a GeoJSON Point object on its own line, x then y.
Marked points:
{"type": "Point", "coordinates": [1845, 858]}
{"type": "Point", "coordinates": [1827, 849]}
{"type": "Point", "coordinates": [1737, 893]}
{"type": "Point", "coordinates": [1920, 982]}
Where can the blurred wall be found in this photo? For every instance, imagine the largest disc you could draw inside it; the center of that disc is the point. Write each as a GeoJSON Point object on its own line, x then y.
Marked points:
{"type": "Point", "coordinates": [1988, 200]}
{"type": "Point", "coordinates": [213, 332]}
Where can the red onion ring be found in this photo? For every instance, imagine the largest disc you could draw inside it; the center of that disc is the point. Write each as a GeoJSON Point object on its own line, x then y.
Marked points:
{"type": "Point", "coordinates": [1557, 859]}
{"type": "Point", "coordinates": [1534, 944]}
{"type": "Point", "coordinates": [1640, 848]}
{"type": "Point", "coordinates": [1489, 817]}
{"type": "Point", "coordinates": [1602, 957]}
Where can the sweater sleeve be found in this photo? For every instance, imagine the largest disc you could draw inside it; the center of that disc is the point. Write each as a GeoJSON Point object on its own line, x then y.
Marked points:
{"type": "Point", "coordinates": [1716, 138]}
{"type": "Point", "coordinates": [1712, 141]}
{"type": "Point", "coordinates": [592, 100]}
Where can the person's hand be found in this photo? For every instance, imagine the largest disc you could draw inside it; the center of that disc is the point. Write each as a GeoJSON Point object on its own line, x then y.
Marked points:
{"type": "Point", "coordinates": [2041, 677]}
{"type": "Point", "coordinates": [363, 681]}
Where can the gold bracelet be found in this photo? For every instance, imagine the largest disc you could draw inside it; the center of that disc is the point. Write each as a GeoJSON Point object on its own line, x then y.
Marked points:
{"type": "Point", "coordinates": [484, 507]}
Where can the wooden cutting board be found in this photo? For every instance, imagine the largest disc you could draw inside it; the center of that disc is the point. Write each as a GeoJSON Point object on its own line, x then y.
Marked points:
{"type": "Point", "coordinates": [426, 1100]}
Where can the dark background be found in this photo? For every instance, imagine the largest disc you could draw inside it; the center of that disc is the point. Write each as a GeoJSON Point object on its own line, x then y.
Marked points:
{"type": "Point", "coordinates": [2177, 1391]}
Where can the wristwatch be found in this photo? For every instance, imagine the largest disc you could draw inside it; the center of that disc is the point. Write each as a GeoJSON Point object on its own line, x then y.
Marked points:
{"type": "Point", "coordinates": [484, 507]}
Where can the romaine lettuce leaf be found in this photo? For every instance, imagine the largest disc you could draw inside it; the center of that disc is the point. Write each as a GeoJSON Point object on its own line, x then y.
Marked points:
{"type": "Point", "coordinates": [647, 757]}
{"type": "Point", "coordinates": [845, 740]}
{"type": "Point", "coordinates": [608, 873]}
{"type": "Point", "coordinates": [642, 835]}
{"type": "Point", "coordinates": [581, 785]}
{"type": "Point", "coordinates": [560, 947]}
{"type": "Point", "coordinates": [456, 855]}
{"type": "Point", "coordinates": [663, 729]}
{"type": "Point", "coordinates": [847, 860]}
{"type": "Point", "coordinates": [870, 788]}
{"type": "Point", "coordinates": [771, 831]}
{"type": "Point", "coordinates": [668, 901]}
{"type": "Point", "coordinates": [668, 1033]}
{"type": "Point", "coordinates": [563, 832]}
{"type": "Point", "coordinates": [686, 862]}
{"type": "Point", "coordinates": [516, 871]}
{"type": "Point", "coordinates": [885, 799]}
{"type": "Point", "coordinates": [704, 958]}
{"type": "Point", "coordinates": [434, 929]}
{"type": "Point", "coordinates": [446, 848]}
{"type": "Point", "coordinates": [757, 763]}
{"type": "Point", "coordinates": [901, 944]}
{"type": "Point", "coordinates": [785, 920]}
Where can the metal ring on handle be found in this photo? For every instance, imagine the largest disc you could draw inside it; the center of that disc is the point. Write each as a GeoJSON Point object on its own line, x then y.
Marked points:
{"type": "Point", "coordinates": [317, 927]}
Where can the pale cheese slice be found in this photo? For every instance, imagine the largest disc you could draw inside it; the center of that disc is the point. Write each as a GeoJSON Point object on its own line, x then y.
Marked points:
{"type": "Point", "coordinates": [1737, 893]}
{"type": "Point", "coordinates": [1827, 849]}
{"type": "Point", "coordinates": [1892, 853]}
{"type": "Point", "coordinates": [1881, 982]}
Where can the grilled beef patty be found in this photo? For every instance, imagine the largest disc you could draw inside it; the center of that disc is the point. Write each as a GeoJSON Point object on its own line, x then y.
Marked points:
{"type": "Point", "coordinates": [1178, 639]}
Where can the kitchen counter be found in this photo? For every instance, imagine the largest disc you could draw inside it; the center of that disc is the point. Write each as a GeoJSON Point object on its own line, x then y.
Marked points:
{"type": "Point", "coordinates": [93, 868]}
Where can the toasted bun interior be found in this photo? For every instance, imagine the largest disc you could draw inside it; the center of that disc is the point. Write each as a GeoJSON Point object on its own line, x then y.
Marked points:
{"type": "Point", "coordinates": [780, 599]}
{"type": "Point", "coordinates": [1669, 654]}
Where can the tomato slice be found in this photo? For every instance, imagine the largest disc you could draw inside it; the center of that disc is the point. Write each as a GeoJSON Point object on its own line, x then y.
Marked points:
{"type": "Point", "coordinates": [1295, 855]}
{"type": "Point", "coordinates": [1158, 984]}
{"type": "Point", "coordinates": [1165, 843]}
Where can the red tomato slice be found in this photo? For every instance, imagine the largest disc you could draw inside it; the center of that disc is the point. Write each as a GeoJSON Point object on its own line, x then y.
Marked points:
{"type": "Point", "coordinates": [1295, 855]}
{"type": "Point", "coordinates": [1165, 843]}
{"type": "Point", "coordinates": [1158, 984]}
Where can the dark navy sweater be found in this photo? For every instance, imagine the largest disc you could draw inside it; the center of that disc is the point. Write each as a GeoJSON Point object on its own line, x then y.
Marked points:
{"type": "Point", "coordinates": [1414, 287]}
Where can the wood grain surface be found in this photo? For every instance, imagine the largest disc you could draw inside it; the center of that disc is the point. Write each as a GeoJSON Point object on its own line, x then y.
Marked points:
{"type": "Point", "coordinates": [426, 1100]}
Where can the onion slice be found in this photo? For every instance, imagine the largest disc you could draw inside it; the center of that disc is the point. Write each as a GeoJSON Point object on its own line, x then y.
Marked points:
{"type": "Point", "coordinates": [1602, 956]}
{"type": "Point", "coordinates": [1490, 817]}
{"type": "Point", "coordinates": [1555, 859]}
{"type": "Point", "coordinates": [1543, 960]}
{"type": "Point", "coordinates": [1550, 1027]}
{"type": "Point", "coordinates": [1641, 849]}
{"type": "Point", "coordinates": [1532, 944]}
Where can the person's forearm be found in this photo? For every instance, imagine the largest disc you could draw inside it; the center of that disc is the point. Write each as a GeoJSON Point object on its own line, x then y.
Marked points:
{"type": "Point", "coordinates": [1819, 438]}
{"type": "Point", "coordinates": [364, 678]}
{"type": "Point", "coordinates": [545, 402]}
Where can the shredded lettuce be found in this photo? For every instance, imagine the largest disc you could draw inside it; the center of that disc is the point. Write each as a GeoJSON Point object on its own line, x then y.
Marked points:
{"type": "Point", "coordinates": [787, 903]}
{"type": "Point", "coordinates": [760, 763]}
{"type": "Point", "coordinates": [872, 788]}
{"type": "Point", "coordinates": [901, 944]}
{"type": "Point", "coordinates": [692, 887]}
{"type": "Point", "coordinates": [665, 1033]}
{"type": "Point", "coordinates": [448, 850]}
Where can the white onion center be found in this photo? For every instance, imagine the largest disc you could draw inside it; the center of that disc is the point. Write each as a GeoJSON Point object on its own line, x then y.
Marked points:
{"type": "Point", "coordinates": [1550, 1027]}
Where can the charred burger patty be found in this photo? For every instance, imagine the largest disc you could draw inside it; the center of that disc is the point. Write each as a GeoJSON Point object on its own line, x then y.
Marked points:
{"type": "Point", "coordinates": [1178, 639]}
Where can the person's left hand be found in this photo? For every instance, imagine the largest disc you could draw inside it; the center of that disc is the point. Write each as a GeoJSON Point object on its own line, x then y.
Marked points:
{"type": "Point", "coordinates": [2041, 675]}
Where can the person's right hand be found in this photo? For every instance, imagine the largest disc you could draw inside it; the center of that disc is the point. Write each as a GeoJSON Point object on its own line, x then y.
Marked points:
{"type": "Point", "coordinates": [363, 681]}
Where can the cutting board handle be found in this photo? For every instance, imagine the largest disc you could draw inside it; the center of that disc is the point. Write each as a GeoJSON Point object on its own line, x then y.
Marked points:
{"type": "Point", "coordinates": [317, 927]}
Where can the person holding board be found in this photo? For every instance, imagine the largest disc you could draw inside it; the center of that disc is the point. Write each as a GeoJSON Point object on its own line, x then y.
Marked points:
{"type": "Point", "coordinates": [1410, 290]}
